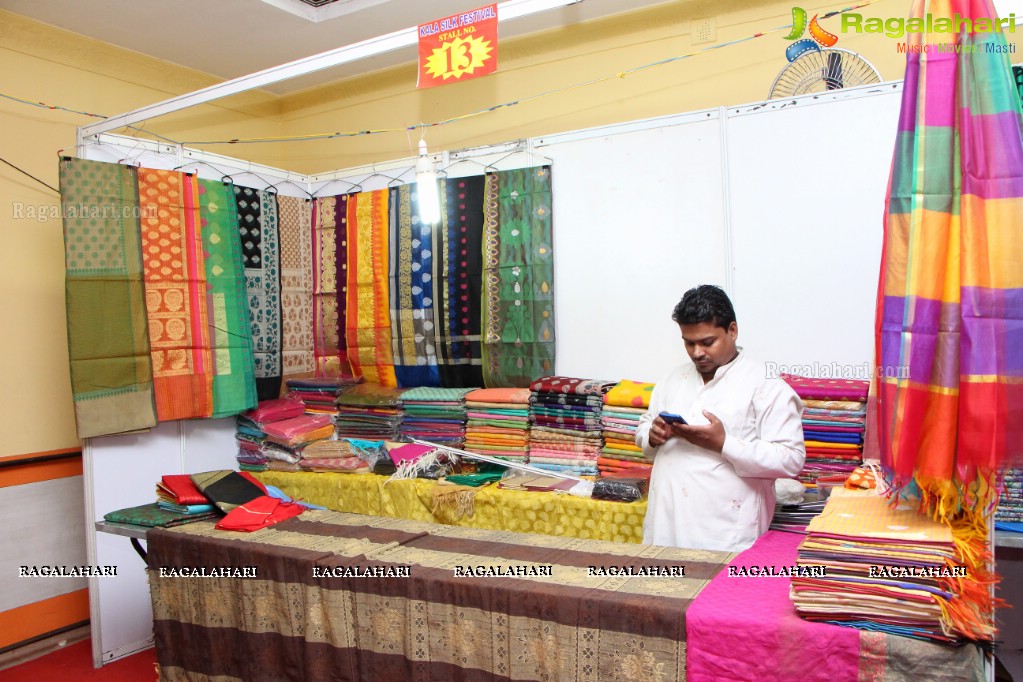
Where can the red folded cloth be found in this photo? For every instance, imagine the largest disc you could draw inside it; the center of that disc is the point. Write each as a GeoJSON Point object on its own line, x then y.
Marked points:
{"type": "Point", "coordinates": [259, 513]}
{"type": "Point", "coordinates": [178, 488]}
{"type": "Point", "coordinates": [276, 410]}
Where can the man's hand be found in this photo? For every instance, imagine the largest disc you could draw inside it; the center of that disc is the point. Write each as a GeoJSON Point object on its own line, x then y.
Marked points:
{"type": "Point", "coordinates": [710, 436]}
{"type": "Point", "coordinates": [659, 432]}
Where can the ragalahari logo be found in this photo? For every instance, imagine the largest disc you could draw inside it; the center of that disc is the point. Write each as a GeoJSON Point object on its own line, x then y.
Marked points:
{"type": "Point", "coordinates": [818, 36]}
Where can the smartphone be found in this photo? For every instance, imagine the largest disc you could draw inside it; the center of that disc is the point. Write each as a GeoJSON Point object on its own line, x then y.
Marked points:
{"type": "Point", "coordinates": [672, 418]}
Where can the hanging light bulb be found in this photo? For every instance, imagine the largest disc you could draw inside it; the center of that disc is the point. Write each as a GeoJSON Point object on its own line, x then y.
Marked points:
{"type": "Point", "coordinates": [426, 182]}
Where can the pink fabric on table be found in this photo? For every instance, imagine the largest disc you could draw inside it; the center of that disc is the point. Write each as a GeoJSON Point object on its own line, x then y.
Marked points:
{"type": "Point", "coordinates": [728, 640]}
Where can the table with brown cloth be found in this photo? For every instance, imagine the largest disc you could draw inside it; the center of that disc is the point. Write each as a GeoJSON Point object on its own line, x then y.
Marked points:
{"type": "Point", "coordinates": [288, 623]}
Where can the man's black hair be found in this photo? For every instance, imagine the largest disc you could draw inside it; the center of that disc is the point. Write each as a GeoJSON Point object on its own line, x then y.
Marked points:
{"type": "Point", "coordinates": [705, 303]}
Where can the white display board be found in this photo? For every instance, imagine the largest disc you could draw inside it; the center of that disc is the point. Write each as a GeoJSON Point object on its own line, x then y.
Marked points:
{"type": "Point", "coordinates": [808, 186]}
{"type": "Point", "coordinates": [639, 217]}
{"type": "Point", "coordinates": [781, 204]}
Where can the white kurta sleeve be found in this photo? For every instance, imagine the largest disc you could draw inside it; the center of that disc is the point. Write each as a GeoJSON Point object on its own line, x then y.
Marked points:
{"type": "Point", "coordinates": [778, 450]}
{"type": "Point", "coordinates": [643, 430]}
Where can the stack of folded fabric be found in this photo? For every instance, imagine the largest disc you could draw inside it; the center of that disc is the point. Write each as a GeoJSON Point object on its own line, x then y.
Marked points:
{"type": "Point", "coordinates": [834, 418]}
{"type": "Point", "coordinates": [435, 414]}
{"type": "Point", "coordinates": [286, 439]}
{"type": "Point", "coordinates": [566, 432]}
{"type": "Point", "coordinates": [177, 493]}
{"type": "Point", "coordinates": [319, 395]}
{"type": "Point", "coordinates": [344, 454]}
{"type": "Point", "coordinates": [369, 412]}
{"type": "Point", "coordinates": [623, 406]}
{"type": "Point", "coordinates": [1009, 514]}
{"type": "Point", "coordinates": [251, 433]}
{"type": "Point", "coordinates": [498, 422]}
{"type": "Point", "coordinates": [891, 569]}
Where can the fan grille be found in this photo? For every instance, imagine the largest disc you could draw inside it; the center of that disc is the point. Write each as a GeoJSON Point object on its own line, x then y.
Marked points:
{"type": "Point", "coordinates": [829, 69]}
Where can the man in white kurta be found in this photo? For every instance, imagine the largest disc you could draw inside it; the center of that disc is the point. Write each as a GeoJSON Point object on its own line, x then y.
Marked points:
{"type": "Point", "coordinates": [712, 484]}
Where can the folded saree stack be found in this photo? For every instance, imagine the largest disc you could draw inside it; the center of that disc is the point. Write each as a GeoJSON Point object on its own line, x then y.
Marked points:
{"type": "Point", "coordinates": [498, 422]}
{"type": "Point", "coordinates": [435, 414]}
{"type": "Point", "coordinates": [370, 412]}
{"type": "Point", "coordinates": [319, 394]}
{"type": "Point", "coordinates": [623, 406]}
{"type": "Point", "coordinates": [834, 419]}
{"type": "Point", "coordinates": [1010, 501]}
{"type": "Point", "coordinates": [566, 432]}
{"type": "Point", "coordinates": [343, 454]}
{"type": "Point", "coordinates": [251, 433]}
{"type": "Point", "coordinates": [890, 569]}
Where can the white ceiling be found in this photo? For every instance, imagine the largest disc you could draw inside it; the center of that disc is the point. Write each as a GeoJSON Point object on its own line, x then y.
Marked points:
{"type": "Point", "coordinates": [231, 38]}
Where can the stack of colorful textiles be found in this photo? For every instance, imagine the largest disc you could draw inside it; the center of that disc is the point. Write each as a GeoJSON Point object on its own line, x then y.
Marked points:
{"type": "Point", "coordinates": [369, 412]}
{"type": "Point", "coordinates": [177, 493]}
{"type": "Point", "coordinates": [498, 422]}
{"type": "Point", "coordinates": [298, 432]}
{"type": "Point", "coordinates": [566, 430]}
{"type": "Point", "coordinates": [623, 406]}
{"type": "Point", "coordinates": [834, 418]}
{"type": "Point", "coordinates": [1009, 514]}
{"type": "Point", "coordinates": [435, 414]}
{"type": "Point", "coordinates": [251, 433]}
{"type": "Point", "coordinates": [891, 569]}
{"type": "Point", "coordinates": [319, 395]}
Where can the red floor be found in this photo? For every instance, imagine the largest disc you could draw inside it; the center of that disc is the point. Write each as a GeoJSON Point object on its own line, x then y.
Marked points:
{"type": "Point", "coordinates": [74, 662]}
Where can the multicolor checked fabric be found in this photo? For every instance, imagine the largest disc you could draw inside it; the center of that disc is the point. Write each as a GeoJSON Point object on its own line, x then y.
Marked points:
{"type": "Point", "coordinates": [518, 277]}
{"type": "Point", "coordinates": [111, 369]}
{"type": "Point", "coordinates": [412, 292]}
{"type": "Point", "coordinates": [234, 384]}
{"type": "Point", "coordinates": [174, 272]}
{"type": "Point", "coordinates": [950, 299]}
{"type": "Point", "coordinates": [368, 314]}
{"type": "Point", "coordinates": [296, 286]}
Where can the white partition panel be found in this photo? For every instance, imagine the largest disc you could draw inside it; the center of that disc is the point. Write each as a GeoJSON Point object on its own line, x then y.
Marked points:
{"type": "Point", "coordinates": [120, 472]}
{"type": "Point", "coordinates": [807, 183]}
{"type": "Point", "coordinates": [638, 218]}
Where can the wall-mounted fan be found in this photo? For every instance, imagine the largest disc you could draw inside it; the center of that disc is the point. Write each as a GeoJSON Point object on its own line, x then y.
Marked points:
{"type": "Point", "coordinates": [823, 70]}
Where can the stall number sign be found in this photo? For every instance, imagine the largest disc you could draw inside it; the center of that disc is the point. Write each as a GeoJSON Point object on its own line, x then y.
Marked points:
{"type": "Point", "coordinates": [458, 47]}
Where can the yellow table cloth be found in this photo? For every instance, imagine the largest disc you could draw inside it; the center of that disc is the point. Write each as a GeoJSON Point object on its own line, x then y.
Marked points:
{"type": "Point", "coordinates": [548, 513]}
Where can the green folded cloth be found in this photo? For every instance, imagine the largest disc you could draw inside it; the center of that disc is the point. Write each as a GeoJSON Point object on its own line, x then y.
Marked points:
{"type": "Point", "coordinates": [151, 516]}
{"type": "Point", "coordinates": [474, 480]}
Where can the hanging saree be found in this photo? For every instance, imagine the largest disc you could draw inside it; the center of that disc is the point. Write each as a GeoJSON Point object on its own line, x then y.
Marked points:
{"type": "Point", "coordinates": [174, 272]}
{"type": "Point", "coordinates": [296, 286]}
{"type": "Point", "coordinates": [950, 299]}
{"type": "Point", "coordinates": [412, 292]}
{"type": "Point", "coordinates": [257, 228]}
{"type": "Point", "coordinates": [108, 346]}
{"type": "Point", "coordinates": [234, 384]}
{"type": "Point", "coordinates": [518, 274]}
{"type": "Point", "coordinates": [367, 311]}
{"type": "Point", "coordinates": [457, 274]}
{"type": "Point", "coordinates": [329, 286]}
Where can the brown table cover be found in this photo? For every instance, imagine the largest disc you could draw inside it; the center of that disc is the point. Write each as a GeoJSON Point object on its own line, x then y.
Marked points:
{"type": "Point", "coordinates": [299, 614]}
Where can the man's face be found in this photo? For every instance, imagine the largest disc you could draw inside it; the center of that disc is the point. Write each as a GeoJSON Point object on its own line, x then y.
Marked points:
{"type": "Point", "coordinates": [709, 346]}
